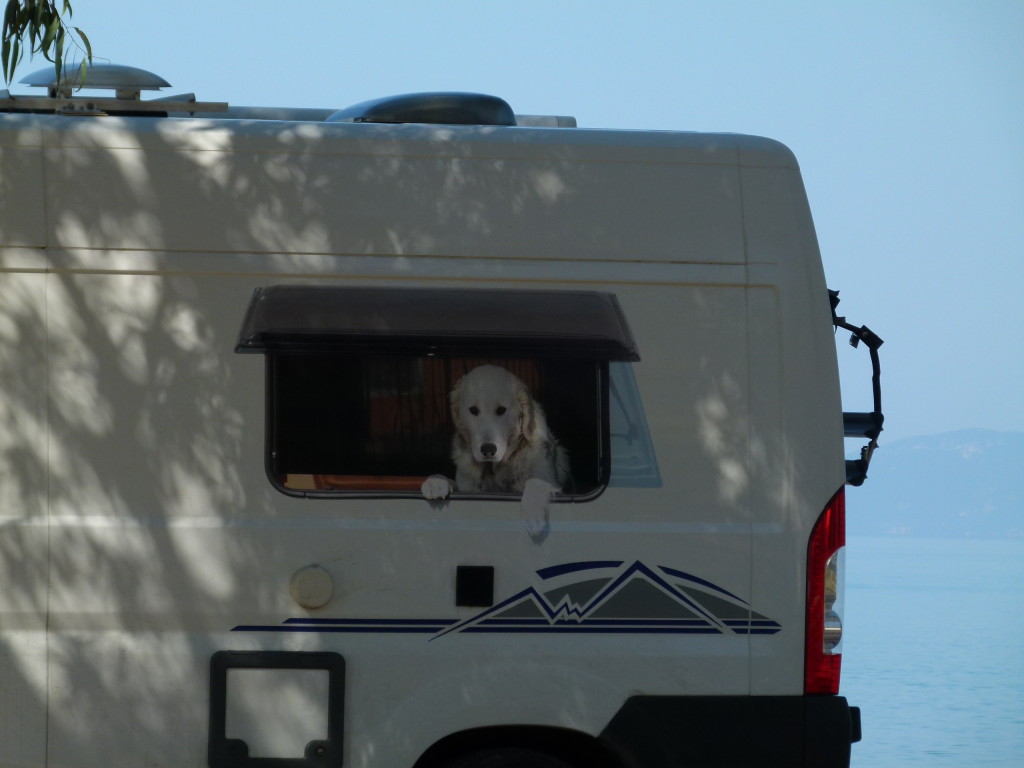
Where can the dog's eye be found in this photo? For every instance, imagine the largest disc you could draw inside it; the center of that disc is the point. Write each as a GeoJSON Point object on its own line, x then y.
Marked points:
{"type": "Point", "coordinates": [500, 410]}
{"type": "Point", "coordinates": [474, 410]}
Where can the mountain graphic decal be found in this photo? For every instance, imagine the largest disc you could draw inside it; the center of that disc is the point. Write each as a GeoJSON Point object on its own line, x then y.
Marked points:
{"type": "Point", "coordinates": [593, 597]}
{"type": "Point", "coordinates": [636, 599]}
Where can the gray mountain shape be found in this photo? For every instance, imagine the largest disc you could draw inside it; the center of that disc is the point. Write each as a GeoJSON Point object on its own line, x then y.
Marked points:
{"type": "Point", "coordinates": [579, 594]}
{"type": "Point", "coordinates": [636, 594]}
{"type": "Point", "coordinates": [640, 599]}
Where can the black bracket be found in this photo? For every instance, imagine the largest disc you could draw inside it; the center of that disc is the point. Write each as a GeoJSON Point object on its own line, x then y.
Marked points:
{"type": "Point", "coordinates": [234, 753]}
{"type": "Point", "coordinates": [865, 425]}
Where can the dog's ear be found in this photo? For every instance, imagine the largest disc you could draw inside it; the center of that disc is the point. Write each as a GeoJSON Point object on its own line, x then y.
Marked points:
{"type": "Point", "coordinates": [454, 398]}
{"type": "Point", "coordinates": [527, 417]}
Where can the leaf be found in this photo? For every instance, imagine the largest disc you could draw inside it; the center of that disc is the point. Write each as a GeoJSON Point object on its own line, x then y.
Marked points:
{"type": "Point", "coordinates": [51, 32]}
{"type": "Point", "coordinates": [10, 16]}
{"type": "Point", "coordinates": [58, 57]}
{"type": "Point", "coordinates": [15, 56]}
{"type": "Point", "coordinates": [38, 25]}
{"type": "Point", "coordinates": [86, 43]}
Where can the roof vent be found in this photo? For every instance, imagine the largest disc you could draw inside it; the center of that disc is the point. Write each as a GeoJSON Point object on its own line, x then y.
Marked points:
{"type": "Point", "coordinates": [439, 108]}
{"type": "Point", "coordinates": [64, 95]}
{"type": "Point", "coordinates": [127, 82]}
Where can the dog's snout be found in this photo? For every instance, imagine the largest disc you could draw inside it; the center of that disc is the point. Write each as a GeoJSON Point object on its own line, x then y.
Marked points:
{"type": "Point", "coordinates": [488, 450]}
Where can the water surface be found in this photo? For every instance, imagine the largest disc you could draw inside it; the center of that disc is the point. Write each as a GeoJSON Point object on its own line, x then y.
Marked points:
{"type": "Point", "coordinates": [933, 651]}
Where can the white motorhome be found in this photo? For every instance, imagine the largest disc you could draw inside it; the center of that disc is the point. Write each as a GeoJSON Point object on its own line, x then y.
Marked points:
{"type": "Point", "coordinates": [227, 342]}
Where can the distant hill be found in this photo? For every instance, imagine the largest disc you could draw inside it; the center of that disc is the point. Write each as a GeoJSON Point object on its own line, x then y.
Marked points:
{"type": "Point", "coordinates": [965, 484]}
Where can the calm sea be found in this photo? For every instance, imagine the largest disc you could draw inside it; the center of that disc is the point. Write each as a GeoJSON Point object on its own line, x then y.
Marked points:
{"type": "Point", "coordinates": [933, 651]}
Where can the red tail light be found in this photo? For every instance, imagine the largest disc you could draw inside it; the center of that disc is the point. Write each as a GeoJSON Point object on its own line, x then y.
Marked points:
{"type": "Point", "coordinates": [823, 628]}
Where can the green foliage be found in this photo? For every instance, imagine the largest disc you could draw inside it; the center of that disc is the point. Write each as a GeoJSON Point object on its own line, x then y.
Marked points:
{"type": "Point", "coordinates": [39, 26]}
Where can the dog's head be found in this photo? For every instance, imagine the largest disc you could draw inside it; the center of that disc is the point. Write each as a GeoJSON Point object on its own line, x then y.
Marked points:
{"type": "Point", "coordinates": [492, 408]}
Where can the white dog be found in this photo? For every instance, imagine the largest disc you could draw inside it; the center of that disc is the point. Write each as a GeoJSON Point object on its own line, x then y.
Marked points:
{"type": "Point", "coordinates": [502, 445]}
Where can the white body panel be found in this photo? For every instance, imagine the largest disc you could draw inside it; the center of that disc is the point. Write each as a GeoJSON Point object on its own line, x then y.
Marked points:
{"type": "Point", "coordinates": [138, 527]}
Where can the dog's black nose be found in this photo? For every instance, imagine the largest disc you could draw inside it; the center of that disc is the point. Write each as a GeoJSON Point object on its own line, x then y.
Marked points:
{"type": "Point", "coordinates": [487, 450]}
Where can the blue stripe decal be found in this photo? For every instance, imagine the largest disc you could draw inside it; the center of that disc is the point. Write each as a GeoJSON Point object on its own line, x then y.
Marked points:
{"type": "Point", "coordinates": [378, 628]}
{"type": "Point", "coordinates": [431, 622]}
{"type": "Point", "coordinates": [478, 629]}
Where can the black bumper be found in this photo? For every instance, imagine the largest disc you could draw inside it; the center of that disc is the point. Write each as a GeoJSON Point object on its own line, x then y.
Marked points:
{"type": "Point", "coordinates": [697, 731]}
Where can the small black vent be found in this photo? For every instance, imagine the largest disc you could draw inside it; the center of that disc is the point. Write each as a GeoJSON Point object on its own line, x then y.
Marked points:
{"type": "Point", "coordinates": [439, 108]}
{"type": "Point", "coordinates": [474, 586]}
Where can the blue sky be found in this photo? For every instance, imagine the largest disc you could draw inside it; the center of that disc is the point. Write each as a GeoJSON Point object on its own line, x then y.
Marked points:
{"type": "Point", "coordinates": [907, 118]}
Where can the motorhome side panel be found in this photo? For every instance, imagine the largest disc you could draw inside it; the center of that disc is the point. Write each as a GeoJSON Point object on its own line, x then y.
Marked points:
{"type": "Point", "coordinates": [23, 453]}
{"type": "Point", "coordinates": [163, 501]}
{"type": "Point", "coordinates": [23, 531]}
{"type": "Point", "coordinates": [782, 251]}
{"type": "Point", "coordinates": [304, 190]}
{"type": "Point", "coordinates": [166, 541]}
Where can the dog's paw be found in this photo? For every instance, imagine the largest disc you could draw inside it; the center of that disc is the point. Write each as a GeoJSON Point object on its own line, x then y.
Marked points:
{"type": "Point", "coordinates": [534, 506]}
{"type": "Point", "coordinates": [436, 487]}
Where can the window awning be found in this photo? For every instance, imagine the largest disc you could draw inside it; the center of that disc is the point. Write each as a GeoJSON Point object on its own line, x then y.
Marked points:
{"type": "Point", "coordinates": [436, 321]}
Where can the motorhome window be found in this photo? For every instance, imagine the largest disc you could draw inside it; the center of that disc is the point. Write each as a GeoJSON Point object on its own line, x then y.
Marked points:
{"type": "Point", "coordinates": [342, 425]}
{"type": "Point", "coordinates": [634, 463]}
{"type": "Point", "coordinates": [360, 379]}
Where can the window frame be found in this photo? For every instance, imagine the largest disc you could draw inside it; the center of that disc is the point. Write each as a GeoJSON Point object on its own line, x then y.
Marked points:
{"type": "Point", "coordinates": [271, 442]}
{"type": "Point", "coordinates": [371, 322]}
